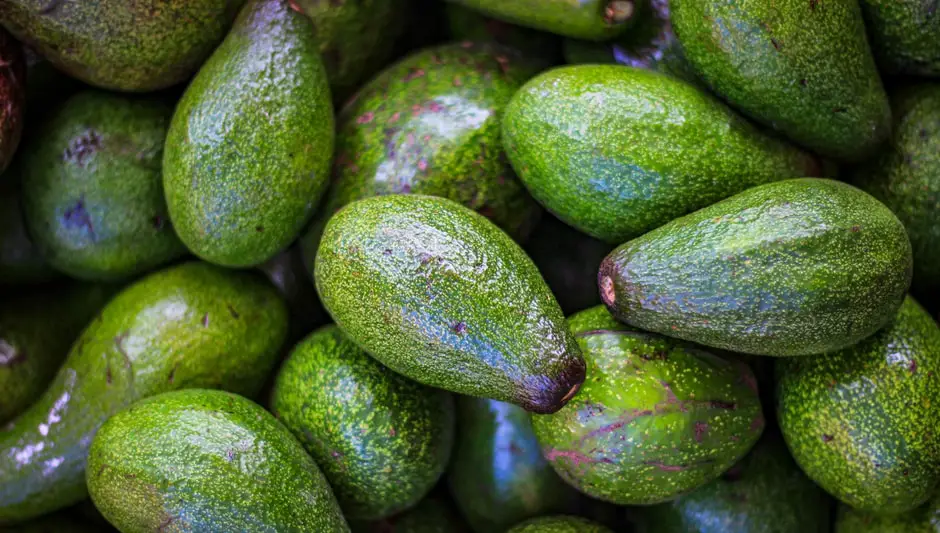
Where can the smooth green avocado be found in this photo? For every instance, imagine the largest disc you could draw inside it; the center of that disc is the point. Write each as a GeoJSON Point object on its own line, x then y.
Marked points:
{"type": "Point", "coordinates": [595, 20]}
{"type": "Point", "coordinates": [905, 35]}
{"type": "Point", "coordinates": [559, 524]}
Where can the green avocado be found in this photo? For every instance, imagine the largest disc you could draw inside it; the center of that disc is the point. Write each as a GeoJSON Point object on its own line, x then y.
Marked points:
{"type": "Point", "coordinates": [382, 440]}
{"type": "Point", "coordinates": [12, 95]}
{"type": "Point", "coordinates": [498, 476]}
{"type": "Point", "coordinates": [21, 263]}
{"type": "Point", "coordinates": [432, 515]}
{"type": "Point", "coordinates": [924, 519]}
{"type": "Point", "coordinates": [121, 45]}
{"type": "Point", "coordinates": [905, 35]}
{"type": "Point", "coordinates": [906, 176]}
{"type": "Point", "coordinates": [617, 151]}
{"type": "Point", "coordinates": [795, 267]}
{"type": "Point", "coordinates": [465, 24]}
{"type": "Point", "coordinates": [192, 325]}
{"type": "Point", "coordinates": [861, 421]}
{"type": "Point", "coordinates": [801, 68]}
{"type": "Point", "coordinates": [91, 187]}
{"type": "Point", "coordinates": [764, 493]}
{"type": "Point", "coordinates": [249, 147]}
{"type": "Point", "coordinates": [37, 329]}
{"type": "Point", "coordinates": [439, 294]}
{"type": "Point", "coordinates": [559, 524]}
{"type": "Point", "coordinates": [655, 417]}
{"type": "Point", "coordinates": [596, 20]}
{"type": "Point", "coordinates": [206, 460]}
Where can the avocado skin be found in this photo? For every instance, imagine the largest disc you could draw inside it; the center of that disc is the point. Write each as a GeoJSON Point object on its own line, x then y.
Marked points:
{"type": "Point", "coordinates": [584, 19]}
{"type": "Point", "coordinates": [559, 524]}
{"type": "Point", "coordinates": [432, 515]}
{"type": "Point", "coordinates": [465, 24]}
{"type": "Point", "coordinates": [21, 264]}
{"type": "Point", "coordinates": [655, 418]}
{"type": "Point", "coordinates": [147, 47]}
{"type": "Point", "coordinates": [498, 476]}
{"type": "Point", "coordinates": [905, 35]}
{"type": "Point", "coordinates": [765, 492]}
{"type": "Point", "coordinates": [921, 520]}
{"type": "Point", "coordinates": [859, 421]}
{"type": "Point", "coordinates": [801, 68]}
{"type": "Point", "coordinates": [656, 149]}
{"type": "Point", "coordinates": [36, 330]}
{"type": "Point", "coordinates": [796, 267]}
{"type": "Point", "coordinates": [382, 447]}
{"type": "Point", "coordinates": [450, 301]}
{"type": "Point", "coordinates": [191, 325]}
{"type": "Point", "coordinates": [92, 187]}
{"type": "Point", "coordinates": [12, 96]}
{"type": "Point", "coordinates": [906, 176]}
{"type": "Point", "coordinates": [260, 174]}
{"type": "Point", "coordinates": [206, 460]}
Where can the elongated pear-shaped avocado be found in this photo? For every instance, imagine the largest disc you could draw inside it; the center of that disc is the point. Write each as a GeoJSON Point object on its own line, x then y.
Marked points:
{"type": "Point", "coordinates": [249, 148]}
{"type": "Point", "coordinates": [801, 67]}
{"type": "Point", "coordinates": [191, 325]}
{"type": "Point", "coordinates": [595, 20]}
{"type": "Point", "coordinates": [617, 151]}
{"type": "Point", "coordinates": [924, 519]}
{"type": "Point", "coordinates": [559, 524]}
{"type": "Point", "coordinates": [206, 460]}
{"type": "Point", "coordinates": [438, 293]}
{"type": "Point", "coordinates": [795, 267]}
{"type": "Point", "coordinates": [905, 35]}
{"type": "Point", "coordinates": [861, 422]}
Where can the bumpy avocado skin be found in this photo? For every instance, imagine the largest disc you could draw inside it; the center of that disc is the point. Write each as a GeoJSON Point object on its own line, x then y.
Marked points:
{"type": "Point", "coordinates": [765, 492]}
{"type": "Point", "coordinates": [795, 267]}
{"type": "Point", "coordinates": [438, 293]}
{"type": "Point", "coordinates": [465, 24]}
{"type": "Point", "coordinates": [382, 440]}
{"type": "Point", "coordinates": [860, 422]}
{"type": "Point", "coordinates": [432, 515]}
{"type": "Point", "coordinates": [906, 176]}
{"type": "Point", "coordinates": [905, 35]}
{"type": "Point", "coordinates": [595, 20]}
{"type": "Point", "coordinates": [147, 46]}
{"type": "Point", "coordinates": [240, 185]}
{"type": "Point", "coordinates": [617, 151]}
{"type": "Point", "coordinates": [206, 460]}
{"type": "Point", "coordinates": [192, 325]}
{"type": "Point", "coordinates": [498, 476]}
{"type": "Point", "coordinates": [21, 263]}
{"type": "Point", "coordinates": [36, 330]}
{"type": "Point", "coordinates": [655, 417]}
{"type": "Point", "coordinates": [92, 187]}
{"type": "Point", "coordinates": [559, 524]}
{"type": "Point", "coordinates": [12, 96]}
{"type": "Point", "coordinates": [924, 519]}
{"type": "Point", "coordinates": [801, 68]}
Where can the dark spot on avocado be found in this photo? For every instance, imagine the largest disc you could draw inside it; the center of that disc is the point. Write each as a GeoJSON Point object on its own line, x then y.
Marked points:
{"type": "Point", "coordinates": [775, 43]}
{"type": "Point", "coordinates": [166, 523]}
{"type": "Point", "coordinates": [657, 355]}
{"type": "Point", "coordinates": [922, 133]}
{"type": "Point", "coordinates": [82, 148]}
{"type": "Point", "coordinates": [50, 7]}
{"type": "Point", "coordinates": [77, 217]}
{"type": "Point", "coordinates": [720, 404]}
{"type": "Point", "coordinates": [158, 222]}
{"type": "Point", "coordinates": [387, 251]}
{"type": "Point", "coordinates": [205, 320]}
{"type": "Point", "coordinates": [813, 4]}
{"type": "Point", "coordinates": [259, 229]}
{"type": "Point", "coordinates": [827, 438]}
{"type": "Point", "coordinates": [803, 82]}
{"type": "Point", "coordinates": [840, 110]}
{"type": "Point", "coordinates": [119, 344]}
{"type": "Point", "coordinates": [172, 375]}
{"type": "Point", "coordinates": [232, 310]}
{"type": "Point", "coordinates": [413, 72]}
{"type": "Point", "coordinates": [107, 373]}
{"type": "Point", "coordinates": [855, 229]}
{"type": "Point", "coordinates": [701, 428]}
{"type": "Point", "coordinates": [460, 328]}
{"type": "Point", "coordinates": [666, 468]}
{"type": "Point", "coordinates": [912, 368]}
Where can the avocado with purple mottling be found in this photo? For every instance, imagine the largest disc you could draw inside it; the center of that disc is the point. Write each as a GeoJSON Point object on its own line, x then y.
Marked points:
{"type": "Point", "coordinates": [21, 263]}
{"type": "Point", "coordinates": [432, 515]}
{"type": "Point", "coordinates": [924, 519]}
{"type": "Point", "coordinates": [12, 95]}
{"type": "Point", "coordinates": [905, 35]}
{"type": "Point", "coordinates": [794, 267]}
{"type": "Point", "coordinates": [249, 148]}
{"type": "Point", "coordinates": [121, 45]}
{"type": "Point", "coordinates": [655, 418]}
{"type": "Point", "coordinates": [191, 325]}
{"type": "Point", "coordinates": [206, 460]}
{"type": "Point", "coordinates": [498, 476]}
{"type": "Point", "coordinates": [465, 24]}
{"type": "Point", "coordinates": [596, 20]}
{"type": "Point", "coordinates": [617, 151]}
{"type": "Point", "coordinates": [92, 187]}
{"type": "Point", "coordinates": [382, 440]}
{"type": "Point", "coordinates": [439, 294]}
{"type": "Point", "coordinates": [559, 524]}
{"type": "Point", "coordinates": [861, 422]}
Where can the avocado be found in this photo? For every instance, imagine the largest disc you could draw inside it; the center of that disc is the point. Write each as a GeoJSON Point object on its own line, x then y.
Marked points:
{"type": "Point", "coordinates": [439, 294]}
{"type": "Point", "coordinates": [21, 264]}
{"type": "Point", "coordinates": [905, 175]}
{"type": "Point", "coordinates": [559, 524]}
{"type": "Point", "coordinates": [92, 190]}
{"type": "Point", "coordinates": [924, 519]}
{"type": "Point", "coordinates": [905, 35]}
{"type": "Point", "coordinates": [206, 460]}
{"type": "Point", "coordinates": [12, 95]}
{"type": "Point", "coordinates": [764, 493]}
{"type": "Point", "coordinates": [250, 144]}
{"type": "Point", "coordinates": [465, 24]}
{"type": "Point", "coordinates": [36, 330]}
{"type": "Point", "coordinates": [794, 267]}
{"type": "Point", "coordinates": [382, 440]}
{"type": "Point", "coordinates": [121, 45]}
{"type": "Point", "coordinates": [801, 68]}
{"type": "Point", "coordinates": [498, 476]}
{"type": "Point", "coordinates": [596, 20]}
{"type": "Point", "coordinates": [655, 418]}
{"type": "Point", "coordinates": [860, 422]}
{"type": "Point", "coordinates": [191, 325]}
{"type": "Point", "coordinates": [617, 151]}
{"type": "Point", "coordinates": [432, 515]}
{"type": "Point", "coordinates": [288, 273]}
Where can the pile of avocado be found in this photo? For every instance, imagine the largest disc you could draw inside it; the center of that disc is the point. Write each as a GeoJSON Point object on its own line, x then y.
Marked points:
{"type": "Point", "coordinates": [470, 266]}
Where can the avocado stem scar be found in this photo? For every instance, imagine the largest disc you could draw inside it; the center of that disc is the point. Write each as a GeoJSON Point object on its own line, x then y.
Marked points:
{"type": "Point", "coordinates": [618, 11]}
{"type": "Point", "coordinates": [607, 290]}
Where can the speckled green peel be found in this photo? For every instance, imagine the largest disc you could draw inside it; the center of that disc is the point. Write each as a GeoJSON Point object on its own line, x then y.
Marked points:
{"type": "Point", "coordinates": [905, 35]}
{"type": "Point", "coordinates": [148, 46]}
{"type": "Point", "coordinates": [466, 24]}
{"type": "Point", "coordinates": [862, 422]}
{"type": "Point", "coordinates": [438, 293]}
{"type": "Point", "coordinates": [655, 417]}
{"type": "Point", "coordinates": [432, 515]}
{"type": "Point", "coordinates": [192, 325]}
{"type": "Point", "coordinates": [248, 152]}
{"type": "Point", "coordinates": [924, 519]}
{"type": "Point", "coordinates": [617, 151]}
{"type": "Point", "coordinates": [21, 263]}
{"type": "Point", "coordinates": [92, 187]}
{"type": "Point", "coordinates": [559, 524]}
{"type": "Point", "coordinates": [204, 460]}
{"type": "Point", "coordinates": [795, 267]}
{"type": "Point", "coordinates": [803, 68]}
{"type": "Point", "coordinates": [596, 20]}
{"type": "Point", "coordinates": [382, 440]}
